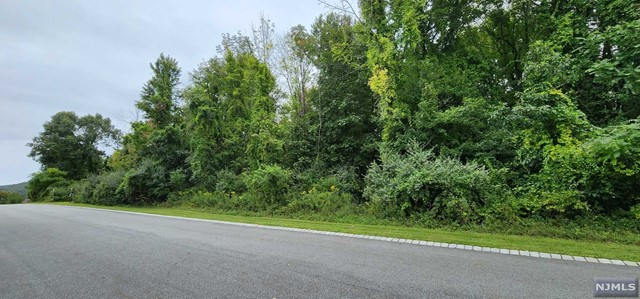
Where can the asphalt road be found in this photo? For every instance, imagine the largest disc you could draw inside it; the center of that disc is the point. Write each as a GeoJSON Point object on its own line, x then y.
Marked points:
{"type": "Point", "coordinates": [68, 252]}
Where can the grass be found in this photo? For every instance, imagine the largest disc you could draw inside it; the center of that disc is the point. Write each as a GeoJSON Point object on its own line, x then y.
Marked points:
{"type": "Point", "coordinates": [610, 250]}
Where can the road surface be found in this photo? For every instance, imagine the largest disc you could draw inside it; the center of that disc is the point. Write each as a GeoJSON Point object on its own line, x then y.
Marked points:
{"type": "Point", "coordinates": [70, 252]}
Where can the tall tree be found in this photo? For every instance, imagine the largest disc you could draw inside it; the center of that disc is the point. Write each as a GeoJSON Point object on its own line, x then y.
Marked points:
{"type": "Point", "coordinates": [343, 119]}
{"type": "Point", "coordinates": [159, 96]}
{"type": "Point", "coordinates": [160, 139]}
{"type": "Point", "coordinates": [231, 116]}
{"type": "Point", "coordinates": [74, 144]}
{"type": "Point", "coordinates": [296, 67]}
{"type": "Point", "coordinates": [263, 38]}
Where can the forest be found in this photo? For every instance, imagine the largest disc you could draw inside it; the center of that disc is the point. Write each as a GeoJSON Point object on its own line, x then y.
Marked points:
{"type": "Point", "coordinates": [514, 116]}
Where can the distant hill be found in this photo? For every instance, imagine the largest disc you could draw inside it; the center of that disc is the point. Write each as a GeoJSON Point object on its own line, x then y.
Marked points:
{"type": "Point", "coordinates": [18, 188]}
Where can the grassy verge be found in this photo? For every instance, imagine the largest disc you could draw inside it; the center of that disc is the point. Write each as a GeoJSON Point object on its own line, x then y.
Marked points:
{"type": "Point", "coordinates": [584, 248]}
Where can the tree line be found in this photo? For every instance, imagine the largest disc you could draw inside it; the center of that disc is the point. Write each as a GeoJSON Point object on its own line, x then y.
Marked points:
{"type": "Point", "coordinates": [454, 111]}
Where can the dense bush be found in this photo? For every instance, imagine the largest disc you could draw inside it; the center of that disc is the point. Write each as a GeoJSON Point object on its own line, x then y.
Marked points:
{"type": "Point", "coordinates": [82, 190]}
{"type": "Point", "coordinates": [228, 182]}
{"type": "Point", "coordinates": [344, 179]}
{"type": "Point", "coordinates": [600, 175]}
{"type": "Point", "coordinates": [147, 183]}
{"type": "Point", "coordinates": [420, 182]}
{"type": "Point", "coordinates": [217, 201]}
{"type": "Point", "coordinates": [269, 184]}
{"type": "Point", "coordinates": [44, 183]}
{"type": "Point", "coordinates": [7, 197]}
{"type": "Point", "coordinates": [635, 211]}
{"type": "Point", "coordinates": [314, 202]}
{"type": "Point", "coordinates": [615, 181]}
{"type": "Point", "coordinates": [195, 199]}
{"type": "Point", "coordinates": [99, 189]}
{"type": "Point", "coordinates": [106, 191]}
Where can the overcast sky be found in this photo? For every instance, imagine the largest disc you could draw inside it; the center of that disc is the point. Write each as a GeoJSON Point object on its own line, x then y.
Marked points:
{"type": "Point", "coordinates": [93, 56]}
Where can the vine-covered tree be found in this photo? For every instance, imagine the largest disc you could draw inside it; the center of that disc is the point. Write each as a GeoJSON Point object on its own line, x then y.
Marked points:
{"type": "Point", "coordinates": [231, 115]}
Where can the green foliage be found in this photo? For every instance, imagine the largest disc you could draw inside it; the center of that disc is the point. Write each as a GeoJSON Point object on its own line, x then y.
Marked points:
{"type": "Point", "coordinates": [316, 202]}
{"type": "Point", "coordinates": [341, 118]}
{"type": "Point", "coordinates": [551, 204]}
{"type": "Point", "coordinates": [8, 197]}
{"type": "Point", "coordinates": [473, 131]}
{"type": "Point", "coordinates": [544, 117]}
{"type": "Point", "coordinates": [617, 68]}
{"type": "Point", "coordinates": [105, 191]}
{"type": "Point", "coordinates": [228, 182]}
{"type": "Point", "coordinates": [230, 117]}
{"type": "Point", "coordinates": [599, 175]}
{"type": "Point", "coordinates": [635, 210]}
{"type": "Point", "coordinates": [319, 178]}
{"type": "Point", "coordinates": [201, 199]}
{"type": "Point", "coordinates": [42, 184]}
{"type": "Point", "coordinates": [102, 189]}
{"type": "Point", "coordinates": [71, 143]}
{"type": "Point", "coordinates": [446, 113]}
{"type": "Point", "coordinates": [81, 191]}
{"type": "Point", "coordinates": [269, 184]}
{"type": "Point", "coordinates": [420, 182]}
{"type": "Point", "coordinates": [20, 188]}
{"type": "Point", "coordinates": [159, 95]}
{"type": "Point", "coordinates": [217, 201]}
{"type": "Point", "coordinates": [148, 183]}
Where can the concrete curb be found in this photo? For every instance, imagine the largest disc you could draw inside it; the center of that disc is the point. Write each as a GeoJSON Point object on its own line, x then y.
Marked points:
{"type": "Point", "coordinates": [525, 253]}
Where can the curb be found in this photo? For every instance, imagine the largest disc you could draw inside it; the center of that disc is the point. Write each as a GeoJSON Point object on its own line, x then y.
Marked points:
{"type": "Point", "coordinates": [504, 251]}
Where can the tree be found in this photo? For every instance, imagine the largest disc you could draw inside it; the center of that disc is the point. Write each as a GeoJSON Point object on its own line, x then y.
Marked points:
{"type": "Point", "coordinates": [230, 116]}
{"type": "Point", "coordinates": [74, 144]}
{"type": "Point", "coordinates": [296, 67]}
{"type": "Point", "coordinates": [610, 85]}
{"type": "Point", "coordinates": [159, 96]}
{"type": "Point", "coordinates": [343, 104]}
{"type": "Point", "coordinates": [263, 40]}
{"type": "Point", "coordinates": [160, 139]}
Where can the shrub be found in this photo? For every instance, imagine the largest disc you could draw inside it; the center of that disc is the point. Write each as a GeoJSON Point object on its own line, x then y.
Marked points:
{"type": "Point", "coordinates": [211, 200]}
{"type": "Point", "coordinates": [321, 202]}
{"type": "Point", "coordinates": [269, 184]}
{"type": "Point", "coordinates": [8, 197]}
{"type": "Point", "coordinates": [43, 183]}
{"type": "Point", "coordinates": [345, 179]}
{"type": "Point", "coordinates": [551, 203]}
{"type": "Point", "coordinates": [419, 182]}
{"type": "Point", "coordinates": [82, 191]}
{"type": "Point", "coordinates": [201, 199]}
{"type": "Point", "coordinates": [635, 211]}
{"type": "Point", "coordinates": [179, 179]}
{"type": "Point", "coordinates": [102, 189]}
{"type": "Point", "coordinates": [61, 193]}
{"type": "Point", "coordinates": [227, 182]}
{"type": "Point", "coordinates": [147, 183]}
{"type": "Point", "coordinates": [601, 174]}
{"type": "Point", "coordinates": [105, 191]}
{"type": "Point", "coordinates": [614, 182]}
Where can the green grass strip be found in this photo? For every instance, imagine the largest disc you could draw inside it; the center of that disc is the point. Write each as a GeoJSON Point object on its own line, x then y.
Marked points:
{"type": "Point", "coordinates": [608, 250]}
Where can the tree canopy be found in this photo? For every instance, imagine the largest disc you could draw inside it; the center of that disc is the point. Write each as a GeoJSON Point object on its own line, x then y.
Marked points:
{"type": "Point", "coordinates": [74, 144]}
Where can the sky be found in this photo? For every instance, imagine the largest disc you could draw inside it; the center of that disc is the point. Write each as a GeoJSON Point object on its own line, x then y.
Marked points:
{"type": "Point", "coordinates": [93, 56]}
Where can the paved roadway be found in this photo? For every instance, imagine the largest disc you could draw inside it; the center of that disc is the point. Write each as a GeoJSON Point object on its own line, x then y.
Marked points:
{"type": "Point", "coordinates": [68, 252]}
